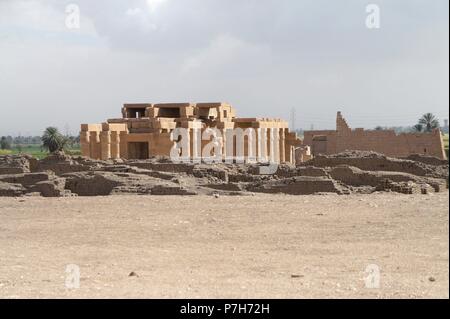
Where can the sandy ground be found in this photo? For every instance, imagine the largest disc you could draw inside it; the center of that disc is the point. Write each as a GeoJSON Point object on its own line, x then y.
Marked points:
{"type": "Point", "coordinates": [263, 246]}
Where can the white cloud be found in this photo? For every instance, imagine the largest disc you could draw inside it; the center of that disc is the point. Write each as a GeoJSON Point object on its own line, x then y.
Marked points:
{"type": "Point", "coordinates": [263, 56]}
{"type": "Point", "coordinates": [153, 5]}
{"type": "Point", "coordinates": [224, 53]}
{"type": "Point", "coordinates": [134, 11]}
{"type": "Point", "coordinates": [36, 18]}
{"type": "Point", "coordinates": [143, 19]}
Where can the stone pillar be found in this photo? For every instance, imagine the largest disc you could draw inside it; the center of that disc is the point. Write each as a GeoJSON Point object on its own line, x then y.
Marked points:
{"type": "Point", "coordinates": [105, 145]}
{"type": "Point", "coordinates": [186, 152]}
{"type": "Point", "coordinates": [196, 147]}
{"type": "Point", "coordinates": [251, 146]}
{"type": "Point", "coordinates": [224, 144]}
{"type": "Point", "coordinates": [105, 141]}
{"type": "Point", "coordinates": [123, 145]}
{"type": "Point", "coordinates": [95, 146]}
{"type": "Point", "coordinates": [230, 145]}
{"type": "Point", "coordinates": [275, 151]}
{"type": "Point", "coordinates": [115, 145]}
{"type": "Point", "coordinates": [270, 140]}
{"type": "Point", "coordinates": [282, 146]}
{"type": "Point", "coordinates": [257, 145]}
{"type": "Point", "coordinates": [85, 144]}
{"type": "Point", "coordinates": [262, 145]}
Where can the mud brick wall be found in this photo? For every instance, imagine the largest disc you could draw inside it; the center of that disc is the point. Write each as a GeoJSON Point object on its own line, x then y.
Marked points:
{"type": "Point", "coordinates": [385, 141]}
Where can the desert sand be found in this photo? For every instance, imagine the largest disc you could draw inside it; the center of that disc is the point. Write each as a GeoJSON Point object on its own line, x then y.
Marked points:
{"type": "Point", "coordinates": [262, 246]}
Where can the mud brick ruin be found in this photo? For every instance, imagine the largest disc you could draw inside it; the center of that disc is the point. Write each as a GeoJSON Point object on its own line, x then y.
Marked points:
{"type": "Point", "coordinates": [60, 175]}
{"type": "Point", "coordinates": [145, 130]}
{"type": "Point", "coordinates": [387, 142]}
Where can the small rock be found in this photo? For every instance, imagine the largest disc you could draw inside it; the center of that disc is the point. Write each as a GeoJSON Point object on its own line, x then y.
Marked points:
{"type": "Point", "coordinates": [33, 194]}
{"type": "Point", "coordinates": [133, 274]}
{"type": "Point", "coordinates": [216, 195]}
{"type": "Point", "coordinates": [432, 279]}
{"type": "Point", "coordinates": [297, 276]}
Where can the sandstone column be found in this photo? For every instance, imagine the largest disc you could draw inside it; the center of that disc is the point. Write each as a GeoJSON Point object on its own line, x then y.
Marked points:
{"type": "Point", "coordinates": [262, 145]}
{"type": "Point", "coordinates": [271, 141]}
{"type": "Point", "coordinates": [95, 147]}
{"type": "Point", "coordinates": [275, 138]}
{"type": "Point", "coordinates": [196, 140]}
{"type": "Point", "coordinates": [123, 145]}
{"type": "Point", "coordinates": [224, 144]}
{"type": "Point", "coordinates": [105, 140]}
{"type": "Point", "coordinates": [85, 143]}
{"type": "Point", "coordinates": [282, 146]}
{"type": "Point", "coordinates": [115, 145]}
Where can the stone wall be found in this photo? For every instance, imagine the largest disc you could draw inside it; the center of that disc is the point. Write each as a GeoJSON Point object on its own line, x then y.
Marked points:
{"type": "Point", "coordinates": [384, 141]}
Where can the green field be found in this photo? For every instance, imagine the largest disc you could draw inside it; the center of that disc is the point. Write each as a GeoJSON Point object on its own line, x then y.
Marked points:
{"type": "Point", "coordinates": [35, 150]}
{"type": "Point", "coordinates": [38, 152]}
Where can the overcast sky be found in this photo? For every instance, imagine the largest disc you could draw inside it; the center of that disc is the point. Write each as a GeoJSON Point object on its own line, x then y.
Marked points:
{"type": "Point", "coordinates": [265, 57]}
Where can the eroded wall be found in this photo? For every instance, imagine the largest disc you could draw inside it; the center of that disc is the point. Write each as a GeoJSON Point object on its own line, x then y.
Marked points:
{"type": "Point", "coordinates": [384, 141]}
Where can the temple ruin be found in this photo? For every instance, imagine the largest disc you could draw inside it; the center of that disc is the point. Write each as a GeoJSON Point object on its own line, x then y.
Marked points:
{"type": "Point", "coordinates": [147, 130]}
{"type": "Point", "coordinates": [387, 142]}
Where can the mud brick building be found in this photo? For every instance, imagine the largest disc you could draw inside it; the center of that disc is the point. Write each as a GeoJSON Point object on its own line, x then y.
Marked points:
{"type": "Point", "coordinates": [385, 141]}
{"type": "Point", "coordinates": [145, 130]}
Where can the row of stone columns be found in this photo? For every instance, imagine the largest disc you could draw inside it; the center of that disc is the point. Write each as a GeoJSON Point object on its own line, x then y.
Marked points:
{"type": "Point", "coordinates": [100, 145]}
{"type": "Point", "coordinates": [274, 150]}
{"type": "Point", "coordinates": [265, 145]}
{"type": "Point", "coordinates": [270, 144]}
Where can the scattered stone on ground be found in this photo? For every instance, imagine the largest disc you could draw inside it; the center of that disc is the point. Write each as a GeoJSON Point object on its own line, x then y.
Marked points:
{"type": "Point", "coordinates": [362, 172]}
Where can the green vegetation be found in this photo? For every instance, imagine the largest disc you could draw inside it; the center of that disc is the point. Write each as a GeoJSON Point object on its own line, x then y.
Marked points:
{"type": "Point", "coordinates": [37, 150]}
{"type": "Point", "coordinates": [5, 152]}
{"type": "Point", "coordinates": [427, 123]}
{"type": "Point", "coordinates": [4, 143]}
{"type": "Point", "coordinates": [53, 141]}
{"type": "Point", "coordinates": [40, 147]}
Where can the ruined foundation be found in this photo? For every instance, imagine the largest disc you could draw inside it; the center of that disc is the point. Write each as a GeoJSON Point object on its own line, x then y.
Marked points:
{"type": "Point", "coordinates": [347, 173]}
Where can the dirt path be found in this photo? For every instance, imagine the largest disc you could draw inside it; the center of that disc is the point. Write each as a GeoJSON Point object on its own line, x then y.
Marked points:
{"type": "Point", "coordinates": [263, 246]}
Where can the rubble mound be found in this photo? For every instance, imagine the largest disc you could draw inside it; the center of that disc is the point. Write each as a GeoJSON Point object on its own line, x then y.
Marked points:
{"type": "Point", "coordinates": [350, 172]}
{"type": "Point", "coordinates": [15, 164]}
{"type": "Point", "coordinates": [429, 160]}
{"type": "Point", "coordinates": [372, 161]}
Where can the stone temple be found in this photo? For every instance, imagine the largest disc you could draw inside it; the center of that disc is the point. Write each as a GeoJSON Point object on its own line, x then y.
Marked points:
{"type": "Point", "coordinates": [147, 130]}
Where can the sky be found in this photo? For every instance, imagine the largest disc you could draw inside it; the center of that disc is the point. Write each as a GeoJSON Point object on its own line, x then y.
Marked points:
{"type": "Point", "coordinates": [265, 57]}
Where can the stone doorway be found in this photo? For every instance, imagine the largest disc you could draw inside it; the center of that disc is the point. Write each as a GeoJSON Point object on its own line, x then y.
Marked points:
{"type": "Point", "coordinates": [138, 150]}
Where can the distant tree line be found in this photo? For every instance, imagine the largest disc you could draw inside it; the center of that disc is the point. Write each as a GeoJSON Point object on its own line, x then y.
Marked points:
{"type": "Point", "coordinates": [29, 140]}
{"type": "Point", "coordinates": [9, 142]}
{"type": "Point", "coordinates": [426, 124]}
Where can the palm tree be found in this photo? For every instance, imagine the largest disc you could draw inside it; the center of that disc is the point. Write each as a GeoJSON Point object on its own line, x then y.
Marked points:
{"type": "Point", "coordinates": [429, 122]}
{"type": "Point", "coordinates": [418, 128]}
{"type": "Point", "coordinates": [52, 140]}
